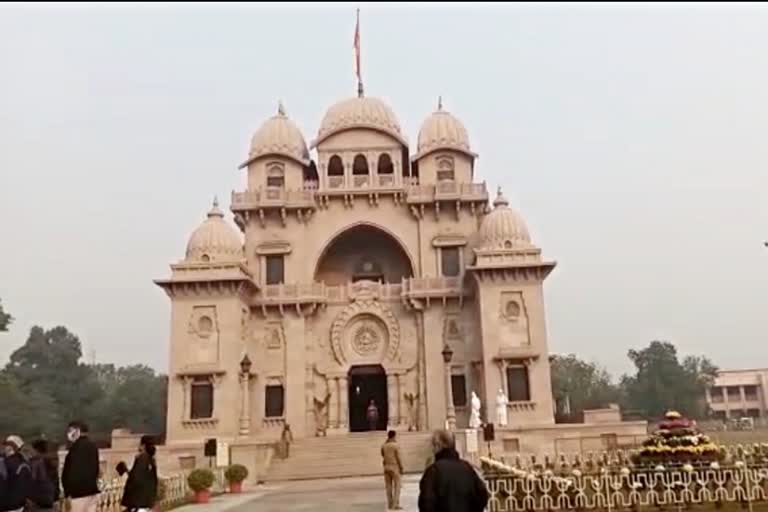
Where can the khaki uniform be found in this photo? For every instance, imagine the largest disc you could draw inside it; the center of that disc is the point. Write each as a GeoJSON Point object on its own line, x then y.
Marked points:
{"type": "Point", "coordinates": [393, 469]}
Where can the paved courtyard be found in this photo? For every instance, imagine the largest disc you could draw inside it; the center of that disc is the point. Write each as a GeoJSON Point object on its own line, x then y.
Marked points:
{"type": "Point", "coordinates": [338, 495]}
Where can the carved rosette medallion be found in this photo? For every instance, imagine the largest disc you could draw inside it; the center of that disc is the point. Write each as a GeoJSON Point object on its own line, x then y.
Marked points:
{"type": "Point", "coordinates": [363, 330]}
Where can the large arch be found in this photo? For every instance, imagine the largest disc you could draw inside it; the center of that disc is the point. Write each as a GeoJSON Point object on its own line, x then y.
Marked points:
{"type": "Point", "coordinates": [363, 251]}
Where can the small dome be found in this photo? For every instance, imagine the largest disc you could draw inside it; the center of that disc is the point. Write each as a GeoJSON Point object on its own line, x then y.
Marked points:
{"type": "Point", "coordinates": [278, 136]}
{"type": "Point", "coordinates": [360, 112]}
{"type": "Point", "coordinates": [503, 228]}
{"type": "Point", "coordinates": [442, 130]}
{"type": "Point", "coordinates": [214, 240]}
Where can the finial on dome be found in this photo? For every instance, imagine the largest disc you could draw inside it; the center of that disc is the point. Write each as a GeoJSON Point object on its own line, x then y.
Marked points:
{"type": "Point", "coordinates": [215, 212]}
{"type": "Point", "coordinates": [500, 199]}
{"type": "Point", "coordinates": [439, 103]}
{"type": "Point", "coordinates": [280, 108]}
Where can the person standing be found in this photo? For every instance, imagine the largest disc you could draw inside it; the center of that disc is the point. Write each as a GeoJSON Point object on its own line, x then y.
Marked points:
{"type": "Point", "coordinates": [18, 476]}
{"type": "Point", "coordinates": [372, 415]}
{"type": "Point", "coordinates": [140, 491]}
{"type": "Point", "coordinates": [44, 464]}
{"type": "Point", "coordinates": [80, 476]}
{"type": "Point", "coordinates": [393, 470]}
{"type": "Point", "coordinates": [450, 484]}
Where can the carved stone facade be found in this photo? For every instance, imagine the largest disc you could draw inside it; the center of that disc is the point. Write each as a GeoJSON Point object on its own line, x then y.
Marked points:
{"type": "Point", "coordinates": [355, 267]}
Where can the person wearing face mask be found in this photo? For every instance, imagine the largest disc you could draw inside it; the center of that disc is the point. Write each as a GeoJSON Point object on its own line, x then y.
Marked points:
{"type": "Point", "coordinates": [80, 476]}
{"type": "Point", "coordinates": [17, 477]}
{"type": "Point", "coordinates": [140, 490]}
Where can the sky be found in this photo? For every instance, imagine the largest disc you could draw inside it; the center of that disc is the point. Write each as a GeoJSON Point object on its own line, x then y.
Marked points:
{"type": "Point", "coordinates": [632, 139]}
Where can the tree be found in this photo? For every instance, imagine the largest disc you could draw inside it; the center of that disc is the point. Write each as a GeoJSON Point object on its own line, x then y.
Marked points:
{"type": "Point", "coordinates": [27, 414]}
{"type": "Point", "coordinates": [661, 382]}
{"type": "Point", "coordinates": [134, 397]}
{"type": "Point", "coordinates": [49, 364]}
{"type": "Point", "coordinates": [578, 385]}
{"type": "Point", "coordinates": [5, 319]}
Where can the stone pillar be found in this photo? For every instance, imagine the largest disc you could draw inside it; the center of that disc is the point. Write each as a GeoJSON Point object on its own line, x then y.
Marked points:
{"type": "Point", "coordinates": [186, 410]}
{"type": "Point", "coordinates": [449, 408]}
{"type": "Point", "coordinates": [393, 418]}
{"type": "Point", "coordinates": [245, 411]}
{"type": "Point", "coordinates": [343, 405]}
{"type": "Point", "coordinates": [400, 398]}
{"type": "Point", "coordinates": [333, 407]}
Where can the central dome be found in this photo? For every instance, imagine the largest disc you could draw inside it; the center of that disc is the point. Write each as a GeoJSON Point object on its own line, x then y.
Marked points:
{"type": "Point", "coordinates": [360, 112]}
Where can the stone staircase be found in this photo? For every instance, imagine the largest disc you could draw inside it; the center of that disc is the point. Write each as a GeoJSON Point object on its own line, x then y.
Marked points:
{"type": "Point", "coordinates": [356, 454]}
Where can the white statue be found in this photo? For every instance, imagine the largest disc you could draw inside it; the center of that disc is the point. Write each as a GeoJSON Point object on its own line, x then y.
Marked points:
{"type": "Point", "coordinates": [501, 408]}
{"type": "Point", "coordinates": [474, 418]}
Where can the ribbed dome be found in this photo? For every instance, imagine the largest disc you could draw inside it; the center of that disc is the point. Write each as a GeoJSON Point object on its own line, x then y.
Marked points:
{"type": "Point", "coordinates": [442, 130]}
{"type": "Point", "coordinates": [214, 240]}
{"type": "Point", "coordinates": [278, 136]}
{"type": "Point", "coordinates": [360, 112]}
{"type": "Point", "coordinates": [503, 228]}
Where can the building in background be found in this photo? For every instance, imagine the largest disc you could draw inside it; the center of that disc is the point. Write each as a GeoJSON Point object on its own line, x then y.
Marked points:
{"type": "Point", "coordinates": [739, 394]}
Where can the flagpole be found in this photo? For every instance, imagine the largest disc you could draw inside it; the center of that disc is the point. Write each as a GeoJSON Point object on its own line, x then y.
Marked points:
{"type": "Point", "coordinates": [358, 69]}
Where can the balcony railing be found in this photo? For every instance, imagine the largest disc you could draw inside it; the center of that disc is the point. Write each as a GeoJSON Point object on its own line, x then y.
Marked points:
{"type": "Point", "coordinates": [447, 190]}
{"type": "Point", "coordinates": [306, 293]}
{"type": "Point", "coordinates": [273, 198]}
{"type": "Point", "coordinates": [432, 287]}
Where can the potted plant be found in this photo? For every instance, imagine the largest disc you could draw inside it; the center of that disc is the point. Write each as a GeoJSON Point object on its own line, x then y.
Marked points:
{"type": "Point", "coordinates": [201, 481]}
{"type": "Point", "coordinates": [235, 475]}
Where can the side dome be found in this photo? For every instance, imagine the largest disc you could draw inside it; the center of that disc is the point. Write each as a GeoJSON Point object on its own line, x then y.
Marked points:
{"type": "Point", "coordinates": [503, 228]}
{"type": "Point", "coordinates": [359, 112]}
{"type": "Point", "coordinates": [278, 136]}
{"type": "Point", "coordinates": [214, 240]}
{"type": "Point", "coordinates": [442, 130]}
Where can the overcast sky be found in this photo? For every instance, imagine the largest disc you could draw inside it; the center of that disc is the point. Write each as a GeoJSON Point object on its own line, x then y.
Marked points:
{"type": "Point", "coordinates": [633, 140]}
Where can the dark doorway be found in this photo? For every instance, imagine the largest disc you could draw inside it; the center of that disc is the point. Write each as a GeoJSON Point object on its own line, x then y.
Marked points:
{"type": "Point", "coordinates": [367, 383]}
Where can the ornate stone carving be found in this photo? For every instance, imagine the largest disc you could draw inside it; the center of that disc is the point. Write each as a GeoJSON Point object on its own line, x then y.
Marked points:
{"type": "Point", "coordinates": [366, 339]}
{"type": "Point", "coordinates": [363, 327]}
{"type": "Point", "coordinates": [273, 335]}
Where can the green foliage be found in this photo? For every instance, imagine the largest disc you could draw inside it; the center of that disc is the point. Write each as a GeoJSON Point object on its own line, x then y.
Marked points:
{"type": "Point", "coordinates": [46, 384]}
{"type": "Point", "coordinates": [236, 473]}
{"type": "Point", "coordinates": [200, 479]}
{"type": "Point", "coordinates": [661, 382]}
{"type": "Point", "coordinates": [578, 385]}
{"type": "Point", "coordinates": [5, 319]}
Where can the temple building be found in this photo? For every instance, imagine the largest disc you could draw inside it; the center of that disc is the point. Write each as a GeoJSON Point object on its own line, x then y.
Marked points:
{"type": "Point", "coordinates": [357, 269]}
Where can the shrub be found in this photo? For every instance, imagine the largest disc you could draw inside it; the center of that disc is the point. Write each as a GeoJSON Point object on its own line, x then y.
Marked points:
{"type": "Point", "coordinates": [236, 473]}
{"type": "Point", "coordinates": [200, 479]}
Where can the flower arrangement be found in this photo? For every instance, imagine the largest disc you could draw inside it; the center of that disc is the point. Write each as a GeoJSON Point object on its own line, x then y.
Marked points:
{"type": "Point", "coordinates": [678, 441]}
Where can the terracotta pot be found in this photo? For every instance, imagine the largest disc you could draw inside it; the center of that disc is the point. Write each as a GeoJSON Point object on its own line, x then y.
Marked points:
{"type": "Point", "coordinates": [235, 487]}
{"type": "Point", "coordinates": [203, 496]}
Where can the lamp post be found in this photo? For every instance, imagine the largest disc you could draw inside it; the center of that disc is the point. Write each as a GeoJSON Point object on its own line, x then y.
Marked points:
{"type": "Point", "coordinates": [245, 410]}
{"type": "Point", "coordinates": [450, 411]}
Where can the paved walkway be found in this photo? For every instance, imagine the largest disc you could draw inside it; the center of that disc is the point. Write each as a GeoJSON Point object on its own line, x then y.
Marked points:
{"type": "Point", "coordinates": [365, 494]}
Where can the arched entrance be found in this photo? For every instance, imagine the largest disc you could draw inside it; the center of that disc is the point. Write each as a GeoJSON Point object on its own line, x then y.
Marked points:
{"type": "Point", "coordinates": [363, 252]}
{"type": "Point", "coordinates": [366, 383]}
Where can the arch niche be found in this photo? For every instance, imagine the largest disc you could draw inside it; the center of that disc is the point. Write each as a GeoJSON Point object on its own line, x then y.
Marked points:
{"type": "Point", "coordinates": [363, 252]}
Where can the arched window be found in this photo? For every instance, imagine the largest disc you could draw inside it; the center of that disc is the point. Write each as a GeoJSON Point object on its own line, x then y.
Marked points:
{"type": "Point", "coordinates": [335, 166]}
{"type": "Point", "coordinates": [275, 176]}
{"type": "Point", "coordinates": [360, 165]}
{"type": "Point", "coordinates": [445, 169]}
{"type": "Point", "coordinates": [385, 164]}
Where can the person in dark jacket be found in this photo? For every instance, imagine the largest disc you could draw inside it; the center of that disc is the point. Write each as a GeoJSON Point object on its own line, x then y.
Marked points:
{"type": "Point", "coordinates": [18, 481]}
{"type": "Point", "coordinates": [140, 491]}
{"type": "Point", "coordinates": [44, 463]}
{"type": "Point", "coordinates": [80, 476]}
{"type": "Point", "coordinates": [450, 484]}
